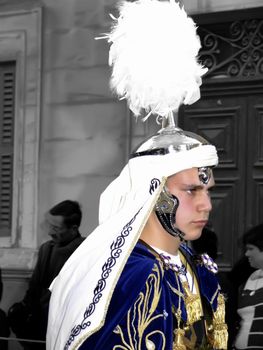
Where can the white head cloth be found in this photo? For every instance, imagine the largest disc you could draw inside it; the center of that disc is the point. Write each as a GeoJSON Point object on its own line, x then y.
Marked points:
{"type": "Point", "coordinates": [82, 291]}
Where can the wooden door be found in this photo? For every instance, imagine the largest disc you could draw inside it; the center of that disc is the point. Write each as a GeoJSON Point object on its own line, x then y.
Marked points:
{"type": "Point", "coordinates": [254, 189]}
{"type": "Point", "coordinates": [234, 124]}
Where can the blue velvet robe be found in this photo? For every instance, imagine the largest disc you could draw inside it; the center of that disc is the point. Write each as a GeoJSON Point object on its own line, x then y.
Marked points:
{"type": "Point", "coordinates": [140, 315]}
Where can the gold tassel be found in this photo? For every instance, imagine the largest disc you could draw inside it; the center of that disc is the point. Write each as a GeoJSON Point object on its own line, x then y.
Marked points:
{"type": "Point", "coordinates": [220, 336]}
{"type": "Point", "coordinates": [179, 340]}
{"type": "Point", "coordinates": [219, 314]}
{"type": "Point", "coordinates": [218, 331]}
{"type": "Point", "coordinates": [192, 304]}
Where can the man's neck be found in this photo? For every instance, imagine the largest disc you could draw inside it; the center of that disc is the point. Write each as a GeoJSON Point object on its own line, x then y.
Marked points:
{"type": "Point", "coordinates": [155, 235]}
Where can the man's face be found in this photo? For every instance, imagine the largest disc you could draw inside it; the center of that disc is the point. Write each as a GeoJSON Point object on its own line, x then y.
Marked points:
{"type": "Point", "coordinates": [255, 256]}
{"type": "Point", "coordinates": [194, 201]}
{"type": "Point", "coordinates": [56, 228]}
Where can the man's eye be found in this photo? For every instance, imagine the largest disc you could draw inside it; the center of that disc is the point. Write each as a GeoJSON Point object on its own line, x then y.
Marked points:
{"type": "Point", "coordinates": [54, 228]}
{"type": "Point", "coordinates": [191, 190]}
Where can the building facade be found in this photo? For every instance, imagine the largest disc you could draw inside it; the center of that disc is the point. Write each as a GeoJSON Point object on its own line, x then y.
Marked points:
{"type": "Point", "coordinates": [65, 136]}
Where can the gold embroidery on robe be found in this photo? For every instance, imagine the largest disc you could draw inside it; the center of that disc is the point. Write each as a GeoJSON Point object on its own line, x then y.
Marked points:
{"type": "Point", "coordinates": [143, 311]}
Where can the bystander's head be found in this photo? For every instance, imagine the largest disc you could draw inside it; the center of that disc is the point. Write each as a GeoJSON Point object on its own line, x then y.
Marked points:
{"type": "Point", "coordinates": [63, 220]}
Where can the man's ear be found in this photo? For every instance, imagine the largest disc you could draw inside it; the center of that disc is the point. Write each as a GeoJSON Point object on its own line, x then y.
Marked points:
{"type": "Point", "coordinates": [74, 228]}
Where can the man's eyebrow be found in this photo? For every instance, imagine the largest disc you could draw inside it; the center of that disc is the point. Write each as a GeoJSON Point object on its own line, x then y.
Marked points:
{"type": "Point", "coordinates": [198, 186]}
{"type": "Point", "coordinates": [195, 186]}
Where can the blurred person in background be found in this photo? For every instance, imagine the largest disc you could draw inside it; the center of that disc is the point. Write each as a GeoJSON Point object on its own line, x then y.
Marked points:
{"type": "Point", "coordinates": [250, 298]}
{"type": "Point", "coordinates": [28, 318]}
{"type": "Point", "coordinates": [4, 326]}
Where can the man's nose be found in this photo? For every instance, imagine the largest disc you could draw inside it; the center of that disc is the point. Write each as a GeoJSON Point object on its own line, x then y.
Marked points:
{"type": "Point", "coordinates": [205, 203]}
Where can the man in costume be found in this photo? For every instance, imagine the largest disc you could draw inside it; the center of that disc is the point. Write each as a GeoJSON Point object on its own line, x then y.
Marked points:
{"type": "Point", "coordinates": [134, 283]}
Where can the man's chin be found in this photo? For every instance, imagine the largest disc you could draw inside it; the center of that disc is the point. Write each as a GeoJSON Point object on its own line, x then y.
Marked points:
{"type": "Point", "coordinates": [192, 236]}
{"type": "Point", "coordinates": [54, 238]}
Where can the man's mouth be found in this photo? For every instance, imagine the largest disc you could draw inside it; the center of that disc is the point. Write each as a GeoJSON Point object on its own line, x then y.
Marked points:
{"type": "Point", "coordinates": [200, 222]}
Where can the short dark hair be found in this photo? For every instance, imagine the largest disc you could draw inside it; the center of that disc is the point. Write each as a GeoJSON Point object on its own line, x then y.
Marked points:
{"type": "Point", "coordinates": [70, 210]}
{"type": "Point", "coordinates": [254, 236]}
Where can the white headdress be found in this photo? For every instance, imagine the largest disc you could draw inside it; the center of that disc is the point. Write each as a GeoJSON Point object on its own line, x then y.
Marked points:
{"type": "Point", "coordinates": [153, 53]}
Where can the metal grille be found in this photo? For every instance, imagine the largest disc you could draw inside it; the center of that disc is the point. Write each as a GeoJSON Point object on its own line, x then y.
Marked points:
{"type": "Point", "coordinates": [233, 49]}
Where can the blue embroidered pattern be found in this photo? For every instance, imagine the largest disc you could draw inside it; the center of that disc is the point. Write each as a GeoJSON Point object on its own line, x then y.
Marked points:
{"type": "Point", "coordinates": [106, 270]}
{"type": "Point", "coordinates": [154, 184]}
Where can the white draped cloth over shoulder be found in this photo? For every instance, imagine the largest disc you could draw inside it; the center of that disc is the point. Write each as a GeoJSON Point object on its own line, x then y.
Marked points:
{"type": "Point", "coordinates": [82, 291]}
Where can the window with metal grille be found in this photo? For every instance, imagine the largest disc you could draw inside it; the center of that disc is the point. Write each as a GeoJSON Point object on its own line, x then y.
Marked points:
{"type": "Point", "coordinates": [7, 104]}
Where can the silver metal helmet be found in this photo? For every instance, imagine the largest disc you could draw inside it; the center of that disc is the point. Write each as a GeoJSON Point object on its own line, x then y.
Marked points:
{"type": "Point", "coordinates": [171, 139]}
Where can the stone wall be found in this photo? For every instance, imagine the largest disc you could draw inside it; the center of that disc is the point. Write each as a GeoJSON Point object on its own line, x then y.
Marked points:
{"type": "Point", "coordinates": [83, 127]}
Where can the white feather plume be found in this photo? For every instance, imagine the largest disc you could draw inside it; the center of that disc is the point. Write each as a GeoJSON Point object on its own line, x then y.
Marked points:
{"type": "Point", "coordinates": [153, 55]}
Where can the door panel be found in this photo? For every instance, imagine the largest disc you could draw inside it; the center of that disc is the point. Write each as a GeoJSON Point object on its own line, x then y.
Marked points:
{"type": "Point", "coordinates": [254, 195]}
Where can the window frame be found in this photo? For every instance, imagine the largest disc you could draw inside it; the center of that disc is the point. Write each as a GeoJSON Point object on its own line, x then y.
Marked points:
{"type": "Point", "coordinates": [20, 41]}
